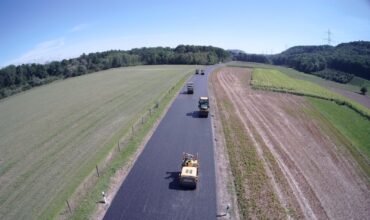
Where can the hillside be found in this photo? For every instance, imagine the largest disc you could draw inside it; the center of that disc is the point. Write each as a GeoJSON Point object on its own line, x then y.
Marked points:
{"type": "Point", "coordinates": [337, 63]}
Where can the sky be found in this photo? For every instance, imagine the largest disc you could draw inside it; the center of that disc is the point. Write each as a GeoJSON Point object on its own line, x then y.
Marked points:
{"type": "Point", "coordinates": [45, 30]}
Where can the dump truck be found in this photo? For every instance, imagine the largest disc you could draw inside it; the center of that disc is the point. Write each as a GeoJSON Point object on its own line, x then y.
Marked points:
{"type": "Point", "coordinates": [202, 72]}
{"type": "Point", "coordinates": [197, 71]}
{"type": "Point", "coordinates": [203, 106]}
{"type": "Point", "coordinates": [190, 87]}
{"type": "Point", "coordinates": [189, 171]}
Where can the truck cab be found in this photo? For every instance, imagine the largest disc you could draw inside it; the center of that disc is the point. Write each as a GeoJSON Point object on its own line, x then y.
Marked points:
{"type": "Point", "coordinates": [203, 106]}
{"type": "Point", "coordinates": [190, 87]}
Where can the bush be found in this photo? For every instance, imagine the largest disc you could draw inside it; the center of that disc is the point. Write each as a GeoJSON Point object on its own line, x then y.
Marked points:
{"type": "Point", "coordinates": [363, 90]}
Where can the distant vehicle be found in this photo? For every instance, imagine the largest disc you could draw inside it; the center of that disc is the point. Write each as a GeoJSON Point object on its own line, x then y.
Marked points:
{"type": "Point", "coordinates": [190, 87]}
{"type": "Point", "coordinates": [203, 106]}
{"type": "Point", "coordinates": [189, 171]}
{"type": "Point", "coordinates": [202, 72]}
{"type": "Point", "coordinates": [197, 71]}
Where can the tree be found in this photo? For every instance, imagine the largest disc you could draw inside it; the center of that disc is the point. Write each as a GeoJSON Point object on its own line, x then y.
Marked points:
{"type": "Point", "coordinates": [17, 78]}
{"type": "Point", "coordinates": [363, 90]}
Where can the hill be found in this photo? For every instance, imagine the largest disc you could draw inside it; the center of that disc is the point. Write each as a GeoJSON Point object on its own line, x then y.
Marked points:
{"type": "Point", "coordinates": [337, 63]}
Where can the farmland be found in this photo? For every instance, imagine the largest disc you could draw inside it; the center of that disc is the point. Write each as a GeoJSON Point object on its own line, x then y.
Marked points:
{"type": "Point", "coordinates": [354, 85]}
{"type": "Point", "coordinates": [271, 79]}
{"type": "Point", "coordinates": [52, 136]}
{"type": "Point", "coordinates": [287, 157]}
{"type": "Point", "coordinates": [341, 116]}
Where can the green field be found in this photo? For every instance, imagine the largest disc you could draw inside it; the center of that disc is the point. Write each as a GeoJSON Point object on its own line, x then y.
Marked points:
{"type": "Point", "coordinates": [52, 136]}
{"type": "Point", "coordinates": [274, 80]}
{"type": "Point", "coordinates": [352, 125]}
{"type": "Point", "coordinates": [354, 85]}
{"type": "Point", "coordinates": [359, 82]}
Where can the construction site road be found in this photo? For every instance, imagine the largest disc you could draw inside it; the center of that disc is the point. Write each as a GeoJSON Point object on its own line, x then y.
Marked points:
{"type": "Point", "coordinates": [151, 190]}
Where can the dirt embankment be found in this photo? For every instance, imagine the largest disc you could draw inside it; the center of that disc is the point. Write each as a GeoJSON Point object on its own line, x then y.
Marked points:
{"type": "Point", "coordinates": [306, 169]}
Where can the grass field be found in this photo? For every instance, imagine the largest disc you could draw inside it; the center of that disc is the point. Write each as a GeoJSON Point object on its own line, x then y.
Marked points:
{"type": "Point", "coordinates": [359, 82]}
{"type": "Point", "coordinates": [354, 85]}
{"type": "Point", "coordinates": [52, 136]}
{"type": "Point", "coordinates": [272, 79]}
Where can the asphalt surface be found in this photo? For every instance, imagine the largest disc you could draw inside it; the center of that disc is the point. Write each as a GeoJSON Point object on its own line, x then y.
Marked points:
{"type": "Point", "coordinates": [151, 189]}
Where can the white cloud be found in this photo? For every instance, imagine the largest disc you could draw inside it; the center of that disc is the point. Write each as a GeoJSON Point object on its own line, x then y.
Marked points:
{"type": "Point", "coordinates": [79, 27]}
{"type": "Point", "coordinates": [41, 53]}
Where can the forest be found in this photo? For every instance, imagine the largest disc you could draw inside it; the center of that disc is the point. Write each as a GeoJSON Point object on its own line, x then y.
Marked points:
{"type": "Point", "coordinates": [337, 63]}
{"type": "Point", "coordinates": [14, 79]}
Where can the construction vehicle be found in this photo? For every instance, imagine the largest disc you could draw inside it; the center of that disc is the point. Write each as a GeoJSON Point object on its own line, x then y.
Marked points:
{"type": "Point", "coordinates": [197, 71]}
{"type": "Point", "coordinates": [190, 87]}
{"type": "Point", "coordinates": [203, 106]}
{"type": "Point", "coordinates": [189, 171]}
{"type": "Point", "coordinates": [202, 72]}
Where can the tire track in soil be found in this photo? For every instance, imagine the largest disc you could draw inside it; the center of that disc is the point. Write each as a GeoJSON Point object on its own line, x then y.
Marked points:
{"type": "Point", "coordinates": [263, 127]}
{"type": "Point", "coordinates": [248, 119]}
{"type": "Point", "coordinates": [322, 178]}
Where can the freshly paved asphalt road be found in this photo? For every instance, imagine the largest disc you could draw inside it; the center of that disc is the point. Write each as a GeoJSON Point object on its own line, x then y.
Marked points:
{"type": "Point", "coordinates": [151, 189]}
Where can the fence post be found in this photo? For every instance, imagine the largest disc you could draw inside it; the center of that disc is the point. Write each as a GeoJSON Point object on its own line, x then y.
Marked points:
{"type": "Point", "coordinates": [150, 111]}
{"type": "Point", "coordinates": [97, 170]}
{"type": "Point", "coordinates": [119, 149]}
{"type": "Point", "coordinates": [69, 207]}
{"type": "Point", "coordinates": [142, 120]}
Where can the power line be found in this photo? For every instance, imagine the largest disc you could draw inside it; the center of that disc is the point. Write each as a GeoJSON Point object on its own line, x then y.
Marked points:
{"type": "Point", "coordinates": [329, 39]}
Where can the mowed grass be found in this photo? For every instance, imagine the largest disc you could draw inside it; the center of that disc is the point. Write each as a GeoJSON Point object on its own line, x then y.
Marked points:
{"type": "Point", "coordinates": [272, 79]}
{"type": "Point", "coordinates": [50, 135]}
{"type": "Point", "coordinates": [352, 125]}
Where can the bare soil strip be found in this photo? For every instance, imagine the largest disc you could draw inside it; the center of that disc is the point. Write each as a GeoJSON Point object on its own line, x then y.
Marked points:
{"type": "Point", "coordinates": [226, 194]}
{"type": "Point", "coordinates": [309, 171]}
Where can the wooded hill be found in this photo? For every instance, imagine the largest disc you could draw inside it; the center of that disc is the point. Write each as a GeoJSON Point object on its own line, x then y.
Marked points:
{"type": "Point", "coordinates": [340, 63]}
{"type": "Point", "coordinates": [14, 79]}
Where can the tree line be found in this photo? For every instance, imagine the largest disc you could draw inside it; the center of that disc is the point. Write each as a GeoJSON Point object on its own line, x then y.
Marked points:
{"type": "Point", "coordinates": [340, 63]}
{"type": "Point", "coordinates": [14, 79]}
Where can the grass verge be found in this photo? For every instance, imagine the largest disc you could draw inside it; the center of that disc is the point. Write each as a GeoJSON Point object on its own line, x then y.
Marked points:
{"type": "Point", "coordinates": [87, 206]}
{"type": "Point", "coordinates": [352, 126]}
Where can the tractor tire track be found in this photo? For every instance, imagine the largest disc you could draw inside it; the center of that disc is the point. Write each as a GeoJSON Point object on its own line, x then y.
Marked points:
{"type": "Point", "coordinates": [323, 179]}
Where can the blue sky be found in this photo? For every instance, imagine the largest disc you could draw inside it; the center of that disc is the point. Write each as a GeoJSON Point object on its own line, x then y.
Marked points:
{"type": "Point", "coordinates": [46, 30]}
